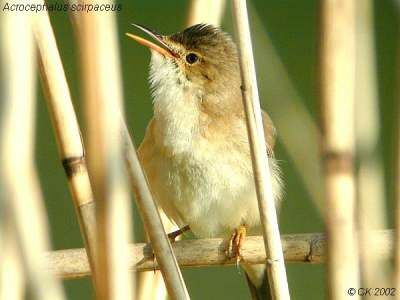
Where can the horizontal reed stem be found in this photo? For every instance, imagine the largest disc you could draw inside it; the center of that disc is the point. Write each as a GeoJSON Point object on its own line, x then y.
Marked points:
{"type": "Point", "coordinates": [298, 248]}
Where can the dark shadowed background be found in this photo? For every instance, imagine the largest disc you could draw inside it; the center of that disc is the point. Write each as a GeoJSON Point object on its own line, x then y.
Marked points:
{"type": "Point", "coordinates": [293, 29]}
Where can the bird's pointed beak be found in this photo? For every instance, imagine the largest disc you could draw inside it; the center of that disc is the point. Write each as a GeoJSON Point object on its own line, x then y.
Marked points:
{"type": "Point", "coordinates": [165, 50]}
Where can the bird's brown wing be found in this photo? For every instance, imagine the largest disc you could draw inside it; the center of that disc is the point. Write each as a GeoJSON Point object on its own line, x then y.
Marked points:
{"type": "Point", "coordinates": [269, 132]}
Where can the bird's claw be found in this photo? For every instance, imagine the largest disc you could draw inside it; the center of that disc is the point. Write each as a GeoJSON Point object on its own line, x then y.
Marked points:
{"type": "Point", "coordinates": [235, 244]}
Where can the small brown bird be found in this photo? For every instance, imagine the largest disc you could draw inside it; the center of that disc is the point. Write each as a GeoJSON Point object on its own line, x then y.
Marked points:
{"type": "Point", "coordinates": [196, 153]}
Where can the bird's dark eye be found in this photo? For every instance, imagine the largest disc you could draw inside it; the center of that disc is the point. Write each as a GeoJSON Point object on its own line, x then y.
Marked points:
{"type": "Point", "coordinates": [191, 58]}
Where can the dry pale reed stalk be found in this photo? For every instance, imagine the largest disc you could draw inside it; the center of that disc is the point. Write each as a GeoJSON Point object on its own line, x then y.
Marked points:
{"type": "Point", "coordinates": [67, 130]}
{"type": "Point", "coordinates": [396, 279]}
{"type": "Point", "coordinates": [22, 195]}
{"type": "Point", "coordinates": [103, 106]}
{"type": "Point", "coordinates": [370, 191]}
{"type": "Point", "coordinates": [205, 11]}
{"type": "Point", "coordinates": [152, 222]}
{"type": "Point", "coordinates": [150, 285]}
{"type": "Point", "coordinates": [162, 248]}
{"type": "Point", "coordinates": [275, 264]}
{"type": "Point", "coordinates": [337, 104]}
{"type": "Point", "coordinates": [298, 248]}
{"type": "Point", "coordinates": [288, 112]}
{"type": "Point", "coordinates": [12, 279]}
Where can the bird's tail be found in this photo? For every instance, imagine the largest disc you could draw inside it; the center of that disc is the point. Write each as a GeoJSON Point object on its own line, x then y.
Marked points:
{"type": "Point", "coordinates": [257, 282]}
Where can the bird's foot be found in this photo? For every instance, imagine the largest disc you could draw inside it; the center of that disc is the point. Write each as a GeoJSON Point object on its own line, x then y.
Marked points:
{"type": "Point", "coordinates": [173, 235]}
{"type": "Point", "coordinates": [235, 243]}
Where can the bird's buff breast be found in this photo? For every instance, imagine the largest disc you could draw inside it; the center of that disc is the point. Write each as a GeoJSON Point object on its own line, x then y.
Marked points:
{"type": "Point", "coordinates": [210, 190]}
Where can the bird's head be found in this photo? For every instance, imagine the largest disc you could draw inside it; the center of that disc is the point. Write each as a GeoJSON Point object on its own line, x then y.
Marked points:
{"type": "Point", "coordinates": [201, 57]}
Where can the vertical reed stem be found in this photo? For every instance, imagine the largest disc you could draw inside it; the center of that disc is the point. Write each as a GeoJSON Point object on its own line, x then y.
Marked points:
{"type": "Point", "coordinates": [370, 190]}
{"type": "Point", "coordinates": [12, 279]}
{"type": "Point", "coordinates": [205, 11]}
{"type": "Point", "coordinates": [273, 246]}
{"type": "Point", "coordinates": [22, 196]}
{"type": "Point", "coordinates": [67, 131]}
{"type": "Point", "coordinates": [337, 96]}
{"type": "Point", "coordinates": [149, 213]}
{"type": "Point", "coordinates": [103, 106]}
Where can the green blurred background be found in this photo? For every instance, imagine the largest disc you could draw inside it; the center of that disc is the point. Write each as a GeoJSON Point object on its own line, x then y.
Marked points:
{"type": "Point", "coordinates": [293, 29]}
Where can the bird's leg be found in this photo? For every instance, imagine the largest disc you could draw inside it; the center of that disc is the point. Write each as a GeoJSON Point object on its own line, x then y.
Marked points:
{"type": "Point", "coordinates": [174, 234]}
{"type": "Point", "coordinates": [235, 243]}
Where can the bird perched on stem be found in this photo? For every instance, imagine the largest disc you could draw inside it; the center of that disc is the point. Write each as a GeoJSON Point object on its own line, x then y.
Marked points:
{"type": "Point", "coordinates": [196, 152]}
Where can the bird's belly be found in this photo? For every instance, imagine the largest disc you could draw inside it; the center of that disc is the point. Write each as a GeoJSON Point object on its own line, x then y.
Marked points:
{"type": "Point", "coordinates": [213, 194]}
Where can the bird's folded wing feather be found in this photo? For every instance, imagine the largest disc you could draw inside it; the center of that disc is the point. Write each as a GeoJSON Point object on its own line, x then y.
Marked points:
{"type": "Point", "coordinates": [269, 132]}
